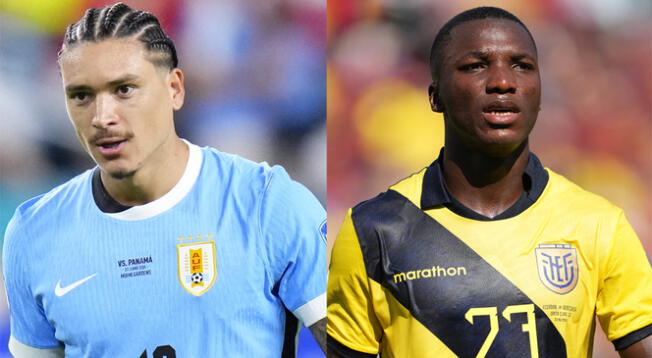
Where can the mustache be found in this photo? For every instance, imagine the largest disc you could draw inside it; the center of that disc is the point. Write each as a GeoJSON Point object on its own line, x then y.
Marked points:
{"type": "Point", "coordinates": [106, 134]}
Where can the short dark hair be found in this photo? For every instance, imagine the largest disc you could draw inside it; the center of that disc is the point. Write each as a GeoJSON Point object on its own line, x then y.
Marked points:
{"type": "Point", "coordinates": [478, 13]}
{"type": "Point", "coordinates": [119, 21]}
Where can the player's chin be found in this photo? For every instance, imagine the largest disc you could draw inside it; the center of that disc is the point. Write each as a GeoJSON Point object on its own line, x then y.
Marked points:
{"type": "Point", "coordinates": [502, 142]}
{"type": "Point", "coordinates": [117, 170]}
{"type": "Point", "coordinates": [122, 174]}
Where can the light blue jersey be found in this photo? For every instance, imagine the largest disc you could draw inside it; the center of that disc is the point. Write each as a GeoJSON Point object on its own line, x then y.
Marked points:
{"type": "Point", "coordinates": [207, 270]}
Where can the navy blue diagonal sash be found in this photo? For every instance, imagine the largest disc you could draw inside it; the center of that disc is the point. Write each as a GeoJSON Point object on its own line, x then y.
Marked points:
{"type": "Point", "coordinates": [445, 284]}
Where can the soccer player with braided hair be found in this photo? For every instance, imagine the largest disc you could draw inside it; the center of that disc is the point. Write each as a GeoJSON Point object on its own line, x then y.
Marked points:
{"type": "Point", "coordinates": [164, 249]}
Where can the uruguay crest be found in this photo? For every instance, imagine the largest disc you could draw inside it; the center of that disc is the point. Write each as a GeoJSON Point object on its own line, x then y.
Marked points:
{"type": "Point", "coordinates": [196, 266]}
{"type": "Point", "coordinates": [558, 267]}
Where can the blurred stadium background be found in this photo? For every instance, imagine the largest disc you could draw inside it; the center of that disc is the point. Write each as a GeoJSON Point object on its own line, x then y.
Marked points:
{"type": "Point", "coordinates": [255, 81]}
{"type": "Point", "coordinates": [595, 126]}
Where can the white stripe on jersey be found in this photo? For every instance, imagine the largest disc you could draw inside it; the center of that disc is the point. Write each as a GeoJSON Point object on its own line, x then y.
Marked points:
{"type": "Point", "coordinates": [312, 311]}
{"type": "Point", "coordinates": [20, 350]}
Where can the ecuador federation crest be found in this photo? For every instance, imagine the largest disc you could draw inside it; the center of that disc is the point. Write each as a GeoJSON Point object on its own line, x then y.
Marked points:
{"type": "Point", "coordinates": [196, 266]}
{"type": "Point", "coordinates": [558, 267]}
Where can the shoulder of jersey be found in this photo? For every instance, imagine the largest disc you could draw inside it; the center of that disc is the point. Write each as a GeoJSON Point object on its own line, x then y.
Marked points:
{"type": "Point", "coordinates": [57, 200]}
{"type": "Point", "coordinates": [409, 187]}
{"type": "Point", "coordinates": [566, 195]}
{"type": "Point", "coordinates": [232, 167]}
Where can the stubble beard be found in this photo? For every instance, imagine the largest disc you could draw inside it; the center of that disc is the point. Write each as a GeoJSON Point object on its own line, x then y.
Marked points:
{"type": "Point", "coordinates": [122, 174]}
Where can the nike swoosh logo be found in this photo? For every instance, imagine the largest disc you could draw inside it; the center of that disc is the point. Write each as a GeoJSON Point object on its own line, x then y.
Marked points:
{"type": "Point", "coordinates": [60, 291]}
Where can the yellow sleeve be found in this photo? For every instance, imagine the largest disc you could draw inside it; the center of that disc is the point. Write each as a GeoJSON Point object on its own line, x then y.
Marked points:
{"type": "Point", "coordinates": [351, 317]}
{"type": "Point", "coordinates": [624, 302]}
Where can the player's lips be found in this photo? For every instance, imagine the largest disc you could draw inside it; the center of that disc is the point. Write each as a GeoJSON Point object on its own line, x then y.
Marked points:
{"type": "Point", "coordinates": [110, 147]}
{"type": "Point", "coordinates": [501, 113]}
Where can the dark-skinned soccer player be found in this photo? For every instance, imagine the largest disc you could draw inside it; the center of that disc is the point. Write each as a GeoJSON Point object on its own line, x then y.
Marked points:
{"type": "Point", "coordinates": [486, 253]}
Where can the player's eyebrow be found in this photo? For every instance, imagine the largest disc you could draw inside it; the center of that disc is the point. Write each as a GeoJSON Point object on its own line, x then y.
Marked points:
{"type": "Point", "coordinates": [123, 79]}
{"type": "Point", "coordinates": [521, 56]}
{"type": "Point", "coordinates": [77, 88]}
{"type": "Point", "coordinates": [116, 82]}
{"type": "Point", "coordinates": [485, 54]}
{"type": "Point", "coordinates": [476, 54]}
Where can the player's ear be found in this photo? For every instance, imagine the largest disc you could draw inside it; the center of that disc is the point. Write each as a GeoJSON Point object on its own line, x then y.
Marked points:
{"type": "Point", "coordinates": [433, 95]}
{"type": "Point", "coordinates": [177, 89]}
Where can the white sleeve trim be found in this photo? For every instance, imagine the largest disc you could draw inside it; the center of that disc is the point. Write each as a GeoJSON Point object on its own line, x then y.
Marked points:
{"type": "Point", "coordinates": [20, 350]}
{"type": "Point", "coordinates": [312, 311]}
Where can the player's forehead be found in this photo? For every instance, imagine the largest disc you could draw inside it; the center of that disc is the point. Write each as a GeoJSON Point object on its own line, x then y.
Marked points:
{"type": "Point", "coordinates": [104, 61]}
{"type": "Point", "coordinates": [489, 36]}
{"type": "Point", "coordinates": [110, 48]}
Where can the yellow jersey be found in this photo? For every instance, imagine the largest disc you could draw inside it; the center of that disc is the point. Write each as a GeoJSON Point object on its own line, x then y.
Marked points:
{"type": "Point", "coordinates": [414, 273]}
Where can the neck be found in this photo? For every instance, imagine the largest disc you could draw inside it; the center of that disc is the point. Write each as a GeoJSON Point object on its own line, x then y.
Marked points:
{"type": "Point", "coordinates": [162, 171]}
{"type": "Point", "coordinates": [486, 184]}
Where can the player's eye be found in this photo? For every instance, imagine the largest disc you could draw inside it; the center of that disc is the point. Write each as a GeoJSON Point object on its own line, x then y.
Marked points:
{"type": "Point", "coordinates": [79, 97]}
{"type": "Point", "coordinates": [471, 67]}
{"type": "Point", "coordinates": [125, 90]}
{"type": "Point", "coordinates": [524, 66]}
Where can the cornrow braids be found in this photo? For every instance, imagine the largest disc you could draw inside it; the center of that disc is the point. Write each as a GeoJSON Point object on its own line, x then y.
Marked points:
{"type": "Point", "coordinates": [120, 21]}
{"type": "Point", "coordinates": [135, 22]}
{"type": "Point", "coordinates": [112, 18]}
{"type": "Point", "coordinates": [87, 27]}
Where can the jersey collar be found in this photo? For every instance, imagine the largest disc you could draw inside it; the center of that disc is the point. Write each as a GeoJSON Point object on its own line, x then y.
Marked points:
{"type": "Point", "coordinates": [130, 213]}
{"type": "Point", "coordinates": [435, 192]}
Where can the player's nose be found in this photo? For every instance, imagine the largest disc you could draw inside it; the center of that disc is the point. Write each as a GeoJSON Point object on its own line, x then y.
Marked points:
{"type": "Point", "coordinates": [105, 111]}
{"type": "Point", "coordinates": [500, 79]}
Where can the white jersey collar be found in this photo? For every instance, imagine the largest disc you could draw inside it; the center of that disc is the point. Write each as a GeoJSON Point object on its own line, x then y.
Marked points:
{"type": "Point", "coordinates": [172, 197]}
